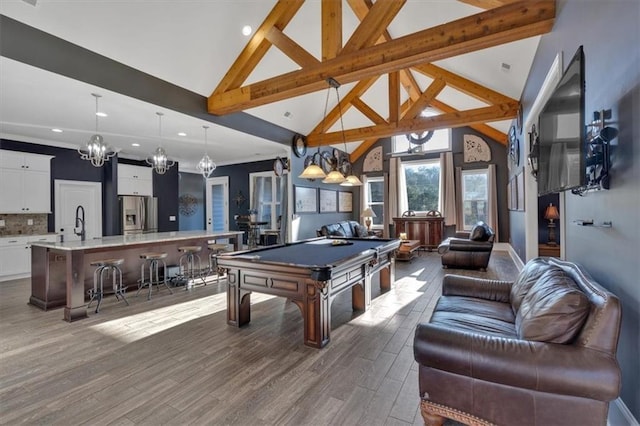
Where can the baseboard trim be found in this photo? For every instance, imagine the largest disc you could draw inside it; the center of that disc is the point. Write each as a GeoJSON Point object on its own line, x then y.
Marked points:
{"type": "Point", "coordinates": [512, 253]}
{"type": "Point", "coordinates": [619, 414]}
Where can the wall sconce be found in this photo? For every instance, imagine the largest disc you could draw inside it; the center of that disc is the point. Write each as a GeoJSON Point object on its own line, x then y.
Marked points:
{"type": "Point", "coordinates": [551, 214]}
{"type": "Point", "coordinates": [534, 151]}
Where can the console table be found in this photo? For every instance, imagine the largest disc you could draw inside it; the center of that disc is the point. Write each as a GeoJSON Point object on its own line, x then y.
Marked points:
{"type": "Point", "coordinates": [427, 230]}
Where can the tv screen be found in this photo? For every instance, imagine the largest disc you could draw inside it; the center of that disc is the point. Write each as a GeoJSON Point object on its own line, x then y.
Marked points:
{"type": "Point", "coordinates": [561, 161]}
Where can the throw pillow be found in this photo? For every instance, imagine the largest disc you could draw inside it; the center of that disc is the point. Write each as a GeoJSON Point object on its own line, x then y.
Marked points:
{"type": "Point", "coordinates": [531, 272]}
{"type": "Point", "coordinates": [361, 231]}
{"type": "Point", "coordinates": [554, 310]}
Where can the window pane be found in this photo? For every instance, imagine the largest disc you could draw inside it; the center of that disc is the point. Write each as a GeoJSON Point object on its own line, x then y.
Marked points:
{"type": "Point", "coordinates": [376, 191]}
{"type": "Point", "coordinates": [378, 209]}
{"type": "Point", "coordinates": [423, 185]}
{"type": "Point", "coordinates": [475, 198]}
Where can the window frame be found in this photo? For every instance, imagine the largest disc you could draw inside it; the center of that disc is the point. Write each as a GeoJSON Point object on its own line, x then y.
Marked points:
{"type": "Point", "coordinates": [463, 173]}
{"type": "Point", "coordinates": [436, 161]}
{"type": "Point", "coordinates": [275, 202]}
{"type": "Point", "coordinates": [370, 180]}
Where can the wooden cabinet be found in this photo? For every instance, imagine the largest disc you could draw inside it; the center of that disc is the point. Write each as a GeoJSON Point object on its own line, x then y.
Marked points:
{"type": "Point", "coordinates": [15, 255]}
{"type": "Point", "coordinates": [427, 230]}
{"type": "Point", "coordinates": [135, 180]}
{"type": "Point", "coordinates": [25, 182]}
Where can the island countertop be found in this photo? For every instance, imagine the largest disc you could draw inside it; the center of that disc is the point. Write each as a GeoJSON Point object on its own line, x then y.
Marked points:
{"type": "Point", "coordinates": [129, 240]}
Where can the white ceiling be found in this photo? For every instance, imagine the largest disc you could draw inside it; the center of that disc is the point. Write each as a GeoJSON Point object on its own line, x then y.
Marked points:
{"type": "Point", "coordinates": [192, 44]}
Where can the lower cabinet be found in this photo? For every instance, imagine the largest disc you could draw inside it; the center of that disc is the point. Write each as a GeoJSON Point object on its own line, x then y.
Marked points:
{"type": "Point", "coordinates": [15, 255]}
{"type": "Point", "coordinates": [428, 230]}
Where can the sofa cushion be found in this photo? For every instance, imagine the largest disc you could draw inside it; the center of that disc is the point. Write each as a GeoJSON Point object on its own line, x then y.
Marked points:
{"type": "Point", "coordinates": [480, 232]}
{"type": "Point", "coordinates": [554, 310]}
{"type": "Point", "coordinates": [475, 315]}
{"type": "Point", "coordinates": [361, 231]}
{"type": "Point", "coordinates": [526, 279]}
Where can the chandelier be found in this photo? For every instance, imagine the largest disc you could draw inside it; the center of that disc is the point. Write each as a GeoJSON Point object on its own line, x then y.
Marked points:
{"type": "Point", "coordinates": [206, 166]}
{"type": "Point", "coordinates": [159, 160]}
{"type": "Point", "coordinates": [96, 150]}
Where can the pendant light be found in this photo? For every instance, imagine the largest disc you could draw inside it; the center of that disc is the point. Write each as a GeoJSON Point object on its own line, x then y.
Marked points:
{"type": "Point", "coordinates": [96, 150]}
{"type": "Point", "coordinates": [158, 160]}
{"type": "Point", "coordinates": [313, 170]}
{"type": "Point", "coordinates": [206, 166]}
{"type": "Point", "coordinates": [351, 179]}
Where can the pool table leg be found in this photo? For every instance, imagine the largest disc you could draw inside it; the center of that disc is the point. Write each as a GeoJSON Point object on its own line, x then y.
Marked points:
{"type": "Point", "coordinates": [316, 311]}
{"type": "Point", "coordinates": [388, 275]}
{"type": "Point", "coordinates": [361, 295]}
{"type": "Point", "coordinates": [238, 301]}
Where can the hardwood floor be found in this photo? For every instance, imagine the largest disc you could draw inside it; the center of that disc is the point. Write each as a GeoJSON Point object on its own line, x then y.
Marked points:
{"type": "Point", "coordinates": [173, 360]}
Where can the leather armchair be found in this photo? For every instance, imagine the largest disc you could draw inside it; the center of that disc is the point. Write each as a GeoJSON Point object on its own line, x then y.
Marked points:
{"type": "Point", "coordinates": [537, 351]}
{"type": "Point", "coordinates": [468, 249]}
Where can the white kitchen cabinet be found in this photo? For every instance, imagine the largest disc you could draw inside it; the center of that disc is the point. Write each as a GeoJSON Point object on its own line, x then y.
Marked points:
{"type": "Point", "coordinates": [25, 182]}
{"type": "Point", "coordinates": [135, 180]}
{"type": "Point", "coordinates": [15, 255]}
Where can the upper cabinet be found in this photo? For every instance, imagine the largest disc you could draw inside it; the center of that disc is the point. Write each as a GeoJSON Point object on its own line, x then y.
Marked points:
{"type": "Point", "coordinates": [25, 182]}
{"type": "Point", "coordinates": [135, 180]}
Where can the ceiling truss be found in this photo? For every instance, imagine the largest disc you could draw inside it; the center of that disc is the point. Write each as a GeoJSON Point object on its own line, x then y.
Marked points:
{"type": "Point", "coordinates": [371, 52]}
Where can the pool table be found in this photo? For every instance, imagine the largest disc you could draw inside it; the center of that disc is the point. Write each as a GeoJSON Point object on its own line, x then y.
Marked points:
{"type": "Point", "coordinates": [310, 273]}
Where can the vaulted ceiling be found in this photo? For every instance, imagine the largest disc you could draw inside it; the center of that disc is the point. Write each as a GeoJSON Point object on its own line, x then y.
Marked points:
{"type": "Point", "coordinates": [466, 60]}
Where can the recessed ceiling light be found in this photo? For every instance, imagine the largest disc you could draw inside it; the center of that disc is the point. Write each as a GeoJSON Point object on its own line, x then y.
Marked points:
{"type": "Point", "coordinates": [135, 144]}
{"type": "Point", "coordinates": [182, 134]}
{"type": "Point", "coordinates": [505, 67]}
{"type": "Point", "coordinates": [102, 114]}
{"type": "Point", "coordinates": [246, 30]}
{"type": "Point", "coordinates": [56, 130]}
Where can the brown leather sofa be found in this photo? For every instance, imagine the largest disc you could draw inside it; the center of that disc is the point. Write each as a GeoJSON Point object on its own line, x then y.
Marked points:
{"type": "Point", "coordinates": [346, 228]}
{"type": "Point", "coordinates": [470, 250]}
{"type": "Point", "coordinates": [537, 351]}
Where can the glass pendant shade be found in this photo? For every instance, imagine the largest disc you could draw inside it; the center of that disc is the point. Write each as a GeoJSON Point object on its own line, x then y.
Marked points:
{"type": "Point", "coordinates": [334, 177]}
{"type": "Point", "coordinates": [313, 171]}
{"type": "Point", "coordinates": [351, 180]}
{"type": "Point", "coordinates": [159, 160]}
{"type": "Point", "coordinates": [206, 166]}
{"type": "Point", "coordinates": [96, 150]}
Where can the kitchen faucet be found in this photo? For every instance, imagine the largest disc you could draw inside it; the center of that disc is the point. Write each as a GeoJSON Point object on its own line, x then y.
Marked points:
{"type": "Point", "coordinates": [80, 223]}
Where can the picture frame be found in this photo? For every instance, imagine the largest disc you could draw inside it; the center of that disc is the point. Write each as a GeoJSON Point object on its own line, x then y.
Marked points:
{"type": "Point", "coordinates": [520, 190]}
{"type": "Point", "coordinates": [305, 200]}
{"type": "Point", "coordinates": [328, 201]}
{"type": "Point", "coordinates": [345, 202]}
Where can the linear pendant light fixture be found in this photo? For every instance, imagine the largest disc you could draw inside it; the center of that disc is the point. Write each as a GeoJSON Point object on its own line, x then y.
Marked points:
{"type": "Point", "coordinates": [96, 150]}
{"type": "Point", "coordinates": [206, 166]}
{"type": "Point", "coordinates": [158, 160]}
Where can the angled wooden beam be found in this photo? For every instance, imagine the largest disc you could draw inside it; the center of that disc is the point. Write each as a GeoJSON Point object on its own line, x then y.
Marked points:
{"type": "Point", "coordinates": [258, 46]}
{"type": "Point", "coordinates": [368, 112]}
{"type": "Point", "coordinates": [331, 28]}
{"type": "Point", "coordinates": [425, 99]}
{"type": "Point", "coordinates": [373, 25]}
{"type": "Point", "coordinates": [443, 121]}
{"type": "Point", "coordinates": [484, 129]}
{"type": "Point", "coordinates": [290, 48]}
{"type": "Point", "coordinates": [345, 103]}
{"type": "Point", "coordinates": [487, 4]}
{"type": "Point", "coordinates": [362, 149]}
{"type": "Point", "coordinates": [464, 85]}
{"type": "Point", "coordinates": [486, 29]}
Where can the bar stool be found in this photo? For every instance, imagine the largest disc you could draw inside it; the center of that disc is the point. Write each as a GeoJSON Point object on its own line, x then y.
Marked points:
{"type": "Point", "coordinates": [214, 251]}
{"type": "Point", "coordinates": [188, 262]}
{"type": "Point", "coordinates": [153, 261]}
{"type": "Point", "coordinates": [110, 266]}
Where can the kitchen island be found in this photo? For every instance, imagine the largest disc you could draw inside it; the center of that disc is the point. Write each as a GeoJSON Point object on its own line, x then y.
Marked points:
{"type": "Point", "coordinates": [61, 273]}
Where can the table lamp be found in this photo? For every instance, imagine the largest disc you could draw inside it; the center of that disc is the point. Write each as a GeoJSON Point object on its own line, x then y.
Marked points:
{"type": "Point", "coordinates": [368, 213]}
{"type": "Point", "coordinates": [551, 214]}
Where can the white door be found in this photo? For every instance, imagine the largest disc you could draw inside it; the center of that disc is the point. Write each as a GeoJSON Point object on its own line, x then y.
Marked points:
{"type": "Point", "coordinates": [217, 200]}
{"type": "Point", "coordinates": [69, 194]}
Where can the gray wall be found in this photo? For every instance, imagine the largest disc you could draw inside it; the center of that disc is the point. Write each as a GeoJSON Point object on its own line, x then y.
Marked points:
{"type": "Point", "coordinates": [610, 34]}
{"type": "Point", "coordinates": [191, 185]}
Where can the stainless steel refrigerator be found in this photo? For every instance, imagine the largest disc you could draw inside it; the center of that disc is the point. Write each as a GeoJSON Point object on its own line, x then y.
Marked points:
{"type": "Point", "coordinates": [138, 214]}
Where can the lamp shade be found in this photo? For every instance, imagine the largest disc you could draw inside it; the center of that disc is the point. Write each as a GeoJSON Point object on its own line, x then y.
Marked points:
{"type": "Point", "coordinates": [551, 213]}
{"type": "Point", "coordinates": [368, 212]}
{"type": "Point", "coordinates": [313, 171]}
{"type": "Point", "coordinates": [334, 177]}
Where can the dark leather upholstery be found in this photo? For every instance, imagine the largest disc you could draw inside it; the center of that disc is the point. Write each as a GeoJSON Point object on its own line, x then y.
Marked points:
{"type": "Point", "coordinates": [347, 228]}
{"type": "Point", "coordinates": [468, 250]}
{"type": "Point", "coordinates": [474, 363]}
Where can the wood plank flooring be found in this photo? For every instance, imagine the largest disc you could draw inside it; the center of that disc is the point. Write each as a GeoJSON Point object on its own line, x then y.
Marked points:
{"type": "Point", "coordinates": [173, 360]}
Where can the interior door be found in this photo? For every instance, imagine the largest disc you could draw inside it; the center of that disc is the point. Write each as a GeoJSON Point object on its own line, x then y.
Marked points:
{"type": "Point", "coordinates": [217, 201]}
{"type": "Point", "coordinates": [69, 194]}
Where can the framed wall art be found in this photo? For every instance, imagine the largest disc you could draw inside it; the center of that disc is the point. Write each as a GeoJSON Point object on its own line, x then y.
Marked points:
{"type": "Point", "coordinates": [328, 201]}
{"type": "Point", "coordinates": [306, 200]}
{"type": "Point", "coordinates": [345, 202]}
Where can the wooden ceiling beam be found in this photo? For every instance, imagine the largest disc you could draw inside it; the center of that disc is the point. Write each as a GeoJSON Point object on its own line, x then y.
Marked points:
{"type": "Point", "coordinates": [486, 29]}
{"type": "Point", "coordinates": [484, 129]}
{"type": "Point", "coordinates": [373, 25]}
{"type": "Point", "coordinates": [290, 48]}
{"type": "Point", "coordinates": [487, 4]}
{"type": "Point", "coordinates": [443, 121]}
{"type": "Point", "coordinates": [464, 85]}
{"type": "Point", "coordinates": [254, 51]}
{"type": "Point", "coordinates": [394, 96]}
{"type": "Point", "coordinates": [368, 112]}
{"type": "Point", "coordinates": [331, 28]}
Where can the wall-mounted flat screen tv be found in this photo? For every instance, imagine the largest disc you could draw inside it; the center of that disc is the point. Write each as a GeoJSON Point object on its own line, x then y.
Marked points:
{"type": "Point", "coordinates": [561, 126]}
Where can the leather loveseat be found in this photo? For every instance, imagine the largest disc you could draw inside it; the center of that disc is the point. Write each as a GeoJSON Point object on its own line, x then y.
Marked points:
{"type": "Point", "coordinates": [346, 228]}
{"type": "Point", "coordinates": [537, 351]}
{"type": "Point", "coordinates": [468, 249]}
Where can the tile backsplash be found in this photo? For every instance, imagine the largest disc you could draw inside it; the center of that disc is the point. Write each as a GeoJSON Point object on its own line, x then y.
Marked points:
{"type": "Point", "coordinates": [18, 224]}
